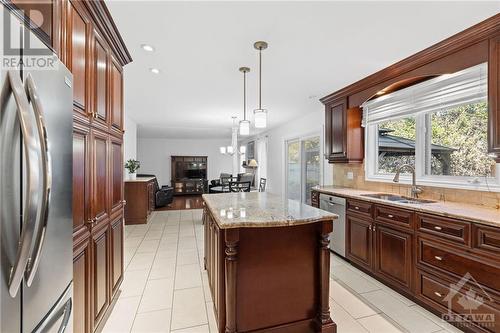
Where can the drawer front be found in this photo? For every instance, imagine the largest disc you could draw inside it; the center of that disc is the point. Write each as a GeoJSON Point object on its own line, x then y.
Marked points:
{"type": "Point", "coordinates": [437, 293]}
{"type": "Point", "coordinates": [487, 239]}
{"type": "Point", "coordinates": [360, 207]}
{"type": "Point", "coordinates": [459, 263]}
{"type": "Point", "coordinates": [394, 216]}
{"type": "Point", "coordinates": [453, 230]}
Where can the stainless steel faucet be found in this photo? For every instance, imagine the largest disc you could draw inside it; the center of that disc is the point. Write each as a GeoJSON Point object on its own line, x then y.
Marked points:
{"type": "Point", "coordinates": [415, 190]}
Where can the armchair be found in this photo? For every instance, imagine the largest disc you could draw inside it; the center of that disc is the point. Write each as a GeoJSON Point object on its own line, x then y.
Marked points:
{"type": "Point", "coordinates": [164, 195]}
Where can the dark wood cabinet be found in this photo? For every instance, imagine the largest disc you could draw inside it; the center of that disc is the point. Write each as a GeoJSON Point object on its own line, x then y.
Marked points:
{"type": "Point", "coordinates": [100, 110]}
{"type": "Point", "coordinates": [116, 78]}
{"type": "Point", "coordinates": [116, 175]}
{"type": "Point", "coordinates": [99, 176]}
{"type": "Point", "coordinates": [423, 256]}
{"type": "Point", "coordinates": [81, 286]}
{"type": "Point", "coordinates": [77, 54]}
{"type": "Point", "coordinates": [393, 256]}
{"type": "Point", "coordinates": [343, 133]}
{"type": "Point", "coordinates": [100, 272]}
{"type": "Point", "coordinates": [81, 171]}
{"type": "Point", "coordinates": [116, 253]}
{"type": "Point", "coordinates": [189, 174]}
{"type": "Point", "coordinates": [359, 241]}
{"type": "Point", "coordinates": [140, 192]}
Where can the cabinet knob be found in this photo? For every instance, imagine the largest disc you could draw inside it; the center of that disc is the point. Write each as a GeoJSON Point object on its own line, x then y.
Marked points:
{"type": "Point", "coordinates": [373, 228]}
{"type": "Point", "coordinates": [370, 227]}
{"type": "Point", "coordinates": [438, 258]}
{"type": "Point", "coordinates": [356, 207]}
{"type": "Point", "coordinates": [438, 294]}
{"type": "Point", "coordinates": [437, 228]}
{"type": "Point", "coordinates": [390, 215]}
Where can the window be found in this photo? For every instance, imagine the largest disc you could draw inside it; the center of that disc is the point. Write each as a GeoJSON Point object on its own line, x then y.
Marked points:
{"type": "Point", "coordinates": [439, 126]}
{"type": "Point", "coordinates": [303, 167]}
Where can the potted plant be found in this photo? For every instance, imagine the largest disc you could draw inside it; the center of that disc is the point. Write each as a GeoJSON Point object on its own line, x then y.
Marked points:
{"type": "Point", "coordinates": [132, 166]}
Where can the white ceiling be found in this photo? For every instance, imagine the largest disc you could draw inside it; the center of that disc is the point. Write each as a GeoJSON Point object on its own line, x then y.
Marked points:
{"type": "Point", "coordinates": [314, 49]}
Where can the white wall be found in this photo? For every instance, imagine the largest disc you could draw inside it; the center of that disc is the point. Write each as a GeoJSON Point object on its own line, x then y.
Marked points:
{"type": "Point", "coordinates": [129, 141]}
{"type": "Point", "coordinates": [310, 123]}
{"type": "Point", "coordinates": [154, 155]}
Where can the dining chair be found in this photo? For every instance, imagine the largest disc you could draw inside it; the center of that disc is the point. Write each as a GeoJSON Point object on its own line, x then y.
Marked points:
{"type": "Point", "coordinates": [262, 185]}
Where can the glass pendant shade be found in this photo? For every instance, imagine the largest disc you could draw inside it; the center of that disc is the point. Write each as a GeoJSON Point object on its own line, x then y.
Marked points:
{"type": "Point", "coordinates": [260, 118]}
{"type": "Point", "coordinates": [230, 150]}
{"type": "Point", "coordinates": [244, 127]}
{"type": "Point", "coordinates": [222, 150]}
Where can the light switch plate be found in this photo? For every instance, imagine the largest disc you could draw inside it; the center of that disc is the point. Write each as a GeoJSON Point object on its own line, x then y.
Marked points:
{"type": "Point", "coordinates": [350, 175]}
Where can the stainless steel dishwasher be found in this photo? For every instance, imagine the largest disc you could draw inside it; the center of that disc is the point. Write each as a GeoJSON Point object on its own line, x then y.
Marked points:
{"type": "Point", "coordinates": [335, 205]}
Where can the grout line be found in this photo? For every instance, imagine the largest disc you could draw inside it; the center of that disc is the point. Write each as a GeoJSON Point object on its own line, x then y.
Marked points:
{"type": "Point", "coordinates": [175, 274]}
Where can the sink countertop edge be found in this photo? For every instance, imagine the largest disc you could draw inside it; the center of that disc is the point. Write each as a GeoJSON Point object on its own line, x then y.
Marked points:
{"type": "Point", "coordinates": [463, 211]}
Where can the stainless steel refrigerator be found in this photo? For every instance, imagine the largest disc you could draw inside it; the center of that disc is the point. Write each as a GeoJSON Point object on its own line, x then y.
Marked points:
{"type": "Point", "coordinates": [35, 185]}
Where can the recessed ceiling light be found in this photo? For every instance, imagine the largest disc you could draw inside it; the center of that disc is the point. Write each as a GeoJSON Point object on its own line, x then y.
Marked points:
{"type": "Point", "coordinates": [155, 70]}
{"type": "Point", "coordinates": [147, 47]}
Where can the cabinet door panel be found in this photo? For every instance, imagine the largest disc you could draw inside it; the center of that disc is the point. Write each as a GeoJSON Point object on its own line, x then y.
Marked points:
{"type": "Point", "coordinates": [116, 253]}
{"type": "Point", "coordinates": [80, 176]}
{"type": "Point", "coordinates": [81, 289]}
{"type": "Point", "coordinates": [116, 96]}
{"type": "Point", "coordinates": [99, 203]}
{"type": "Point", "coordinates": [336, 130]}
{"type": "Point", "coordinates": [116, 175]}
{"type": "Point", "coordinates": [358, 241]}
{"type": "Point", "coordinates": [393, 256]}
{"type": "Point", "coordinates": [78, 26]}
{"type": "Point", "coordinates": [100, 274]}
{"type": "Point", "coordinates": [100, 66]}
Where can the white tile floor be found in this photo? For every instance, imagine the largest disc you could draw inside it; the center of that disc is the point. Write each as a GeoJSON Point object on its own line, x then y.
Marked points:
{"type": "Point", "coordinates": [166, 289]}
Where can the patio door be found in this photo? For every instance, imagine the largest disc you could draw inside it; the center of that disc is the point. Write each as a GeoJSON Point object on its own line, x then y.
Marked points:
{"type": "Point", "coordinates": [303, 167]}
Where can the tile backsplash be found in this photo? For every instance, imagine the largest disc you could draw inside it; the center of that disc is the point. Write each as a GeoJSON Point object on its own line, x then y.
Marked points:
{"type": "Point", "coordinates": [340, 171]}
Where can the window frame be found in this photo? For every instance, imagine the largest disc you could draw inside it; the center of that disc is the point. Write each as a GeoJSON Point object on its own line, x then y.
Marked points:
{"type": "Point", "coordinates": [421, 143]}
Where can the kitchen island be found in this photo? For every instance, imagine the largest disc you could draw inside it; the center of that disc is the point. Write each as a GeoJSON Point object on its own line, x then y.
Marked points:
{"type": "Point", "coordinates": [268, 263]}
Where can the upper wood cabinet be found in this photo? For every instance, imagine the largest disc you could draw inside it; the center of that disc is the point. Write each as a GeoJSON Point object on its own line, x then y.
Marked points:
{"type": "Point", "coordinates": [77, 54]}
{"type": "Point", "coordinates": [116, 96]}
{"type": "Point", "coordinates": [100, 84]}
{"type": "Point", "coordinates": [343, 133]}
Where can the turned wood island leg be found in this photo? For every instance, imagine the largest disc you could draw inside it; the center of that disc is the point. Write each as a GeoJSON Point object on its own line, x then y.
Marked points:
{"type": "Point", "coordinates": [325, 323]}
{"type": "Point", "coordinates": [232, 238]}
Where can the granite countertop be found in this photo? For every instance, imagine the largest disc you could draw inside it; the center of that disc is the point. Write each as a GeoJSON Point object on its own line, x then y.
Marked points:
{"type": "Point", "coordinates": [261, 209]}
{"type": "Point", "coordinates": [140, 179]}
{"type": "Point", "coordinates": [473, 213]}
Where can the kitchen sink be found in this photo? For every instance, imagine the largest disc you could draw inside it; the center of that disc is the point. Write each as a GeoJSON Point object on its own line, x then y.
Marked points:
{"type": "Point", "coordinates": [397, 198]}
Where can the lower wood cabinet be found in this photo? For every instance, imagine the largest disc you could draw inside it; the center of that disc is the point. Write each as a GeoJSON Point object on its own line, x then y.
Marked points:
{"type": "Point", "coordinates": [81, 286]}
{"type": "Point", "coordinates": [100, 273]}
{"type": "Point", "coordinates": [442, 263]}
{"type": "Point", "coordinates": [116, 255]}
{"type": "Point", "coordinates": [359, 241]}
{"type": "Point", "coordinates": [393, 256]}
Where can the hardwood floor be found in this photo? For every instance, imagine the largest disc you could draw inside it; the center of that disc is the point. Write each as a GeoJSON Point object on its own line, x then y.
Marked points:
{"type": "Point", "coordinates": [184, 202]}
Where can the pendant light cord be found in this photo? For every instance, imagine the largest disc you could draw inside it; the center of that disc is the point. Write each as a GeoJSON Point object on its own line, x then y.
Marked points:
{"type": "Point", "coordinates": [260, 78]}
{"type": "Point", "coordinates": [244, 95]}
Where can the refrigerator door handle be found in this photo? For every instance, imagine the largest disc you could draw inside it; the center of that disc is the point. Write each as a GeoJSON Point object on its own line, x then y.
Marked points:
{"type": "Point", "coordinates": [13, 85]}
{"type": "Point", "coordinates": [46, 179]}
{"type": "Point", "coordinates": [63, 308]}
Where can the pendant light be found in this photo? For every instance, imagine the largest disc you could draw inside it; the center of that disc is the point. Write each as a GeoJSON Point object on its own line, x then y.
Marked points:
{"type": "Point", "coordinates": [260, 114]}
{"type": "Point", "coordinates": [244, 124]}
